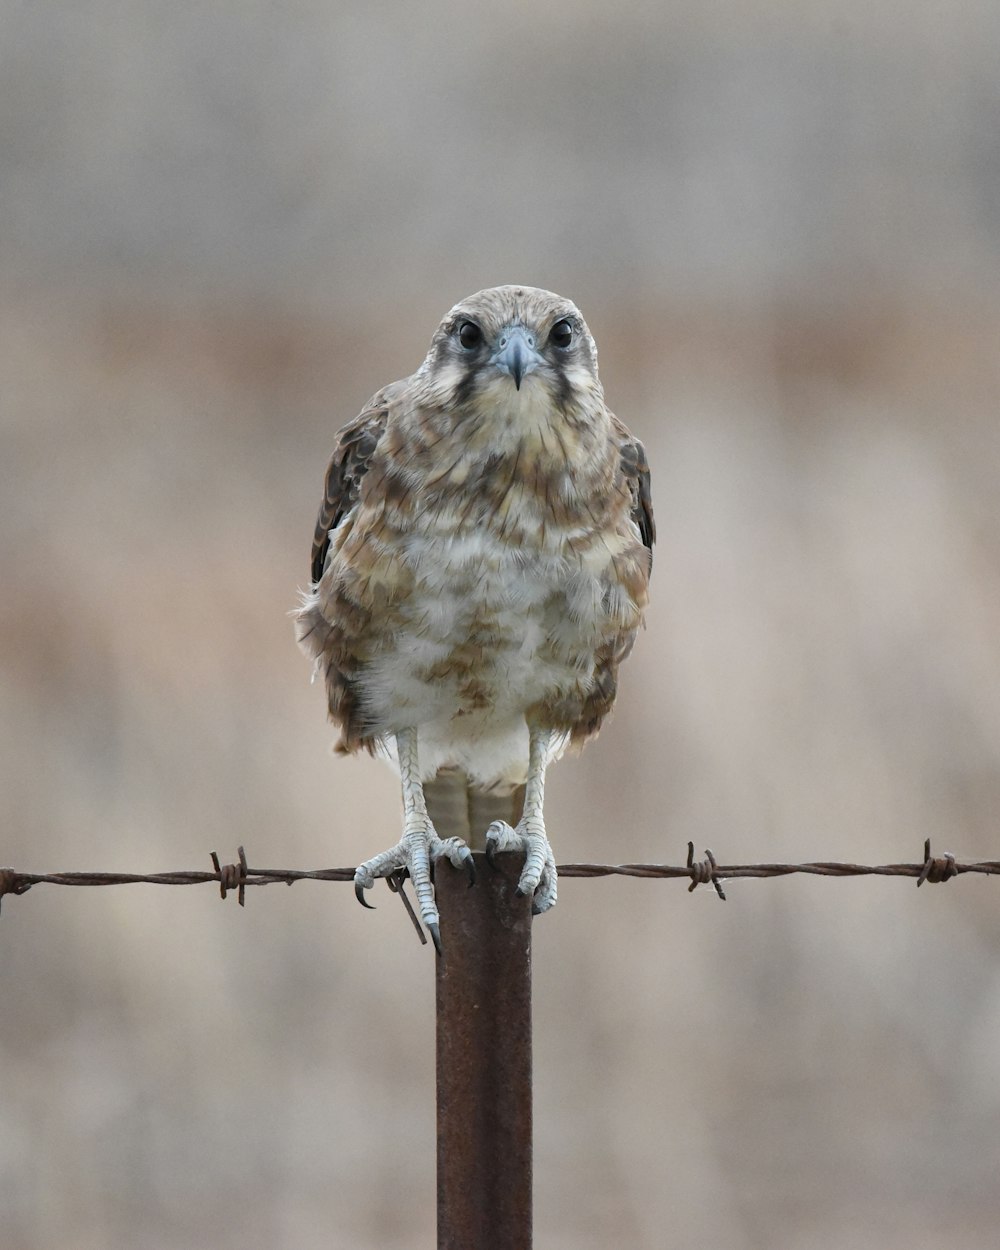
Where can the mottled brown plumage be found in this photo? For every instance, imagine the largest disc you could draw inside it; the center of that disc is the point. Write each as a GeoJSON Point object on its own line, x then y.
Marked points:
{"type": "Point", "coordinates": [482, 554]}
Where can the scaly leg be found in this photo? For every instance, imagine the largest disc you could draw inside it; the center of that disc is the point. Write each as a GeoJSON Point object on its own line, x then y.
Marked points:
{"type": "Point", "coordinates": [538, 877]}
{"type": "Point", "coordinates": [419, 846]}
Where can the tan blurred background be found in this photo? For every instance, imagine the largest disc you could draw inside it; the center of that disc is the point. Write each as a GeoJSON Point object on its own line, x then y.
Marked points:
{"type": "Point", "coordinates": [222, 227]}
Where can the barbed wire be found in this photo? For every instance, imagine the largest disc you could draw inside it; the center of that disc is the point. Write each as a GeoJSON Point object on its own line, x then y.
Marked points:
{"type": "Point", "coordinates": [237, 876]}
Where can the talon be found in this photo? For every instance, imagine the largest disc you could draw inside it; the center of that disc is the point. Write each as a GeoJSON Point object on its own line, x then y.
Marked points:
{"type": "Point", "coordinates": [538, 875]}
{"type": "Point", "coordinates": [418, 850]}
{"type": "Point", "coordinates": [470, 867]}
{"type": "Point", "coordinates": [415, 857]}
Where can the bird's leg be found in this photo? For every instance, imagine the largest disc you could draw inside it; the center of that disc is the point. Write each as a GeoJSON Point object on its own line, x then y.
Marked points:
{"type": "Point", "coordinates": [538, 876]}
{"type": "Point", "coordinates": [419, 846]}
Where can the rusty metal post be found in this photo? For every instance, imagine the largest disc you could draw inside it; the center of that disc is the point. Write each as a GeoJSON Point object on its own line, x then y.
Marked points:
{"type": "Point", "coordinates": [484, 1059]}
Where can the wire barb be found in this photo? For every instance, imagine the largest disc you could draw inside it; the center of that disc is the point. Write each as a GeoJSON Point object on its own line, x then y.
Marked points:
{"type": "Point", "coordinates": [12, 883]}
{"type": "Point", "coordinates": [232, 876]}
{"type": "Point", "coordinates": [941, 869]}
{"type": "Point", "coordinates": [703, 872]}
{"type": "Point", "coordinates": [395, 881]}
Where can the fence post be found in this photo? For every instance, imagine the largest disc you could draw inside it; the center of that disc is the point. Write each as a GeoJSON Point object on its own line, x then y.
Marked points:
{"type": "Point", "coordinates": [484, 1059]}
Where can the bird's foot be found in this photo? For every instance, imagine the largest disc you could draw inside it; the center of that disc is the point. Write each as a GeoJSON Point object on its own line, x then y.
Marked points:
{"type": "Point", "coordinates": [416, 852]}
{"type": "Point", "coordinates": [538, 877]}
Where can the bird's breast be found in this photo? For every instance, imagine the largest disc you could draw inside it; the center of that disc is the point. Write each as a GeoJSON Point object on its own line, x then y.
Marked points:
{"type": "Point", "coordinates": [488, 629]}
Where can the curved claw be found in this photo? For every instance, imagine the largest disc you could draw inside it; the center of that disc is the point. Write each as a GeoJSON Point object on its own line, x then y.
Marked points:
{"type": "Point", "coordinates": [359, 894]}
{"type": "Point", "coordinates": [491, 853]}
{"type": "Point", "coordinates": [469, 864]}
{"type": "Point", "coordinates": [435, 933]}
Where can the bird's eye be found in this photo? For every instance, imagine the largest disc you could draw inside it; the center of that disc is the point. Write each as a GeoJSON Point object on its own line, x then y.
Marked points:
{"type": "Point", "coordinates": [561, 333]}
{"type": "Point", "coordinates": [469, 335]}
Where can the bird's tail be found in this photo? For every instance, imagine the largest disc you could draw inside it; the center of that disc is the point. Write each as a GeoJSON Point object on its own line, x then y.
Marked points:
{"type": "Point", "coordinates": [459, 809]}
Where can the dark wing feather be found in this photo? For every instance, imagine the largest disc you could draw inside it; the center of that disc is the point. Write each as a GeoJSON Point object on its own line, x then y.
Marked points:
{"type": "Point", "coordinates": [348, 465]}
{"type": "Point", "coordinates": [585, 721]}
{"type": "Point", "coordinates": [635, 466]}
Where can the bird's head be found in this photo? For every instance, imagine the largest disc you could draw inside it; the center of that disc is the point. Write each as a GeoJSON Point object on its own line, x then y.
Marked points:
{"type": "Point", "coordinates": [514, 350]}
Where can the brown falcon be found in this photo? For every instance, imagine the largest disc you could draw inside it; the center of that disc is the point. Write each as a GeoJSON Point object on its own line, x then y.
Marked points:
{"type": "Point", "coordinates": [479, 571]}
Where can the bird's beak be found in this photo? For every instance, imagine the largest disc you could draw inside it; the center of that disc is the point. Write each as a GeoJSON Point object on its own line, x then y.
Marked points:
{"type": "Point", "coordinates": [516, 353]}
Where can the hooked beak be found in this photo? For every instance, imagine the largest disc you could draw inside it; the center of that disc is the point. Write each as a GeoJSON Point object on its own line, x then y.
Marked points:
{"type": "Point", "coordinates": [516, 354]}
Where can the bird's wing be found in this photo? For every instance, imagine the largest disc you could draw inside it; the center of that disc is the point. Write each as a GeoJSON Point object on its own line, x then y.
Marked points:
{"type": "Point", "coordinates": [355, 446]}
{"type": "Point", "coordinates": [635, 466]}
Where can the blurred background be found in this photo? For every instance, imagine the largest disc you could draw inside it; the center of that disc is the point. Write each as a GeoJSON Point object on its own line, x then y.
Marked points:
{"type": "Point", "coordinates": [222, 227]}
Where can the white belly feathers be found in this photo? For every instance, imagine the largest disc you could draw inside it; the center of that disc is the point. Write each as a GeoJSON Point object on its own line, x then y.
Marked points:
{"type": "Point", "coordinates": [489, 630]}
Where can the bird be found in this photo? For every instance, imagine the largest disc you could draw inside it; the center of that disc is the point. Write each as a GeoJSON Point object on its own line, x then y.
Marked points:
{"type": "Point", "coordinates": [480, 569]}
